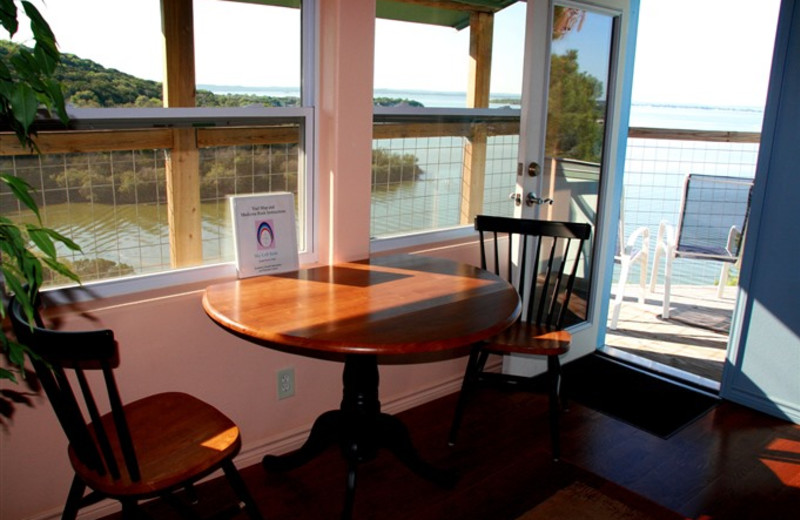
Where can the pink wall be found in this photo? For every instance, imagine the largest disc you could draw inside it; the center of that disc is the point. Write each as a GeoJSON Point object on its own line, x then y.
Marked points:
{"type": "Point", "coordinates": [168, 343]}
{"type": "Point", "coordinates": [347, 30]}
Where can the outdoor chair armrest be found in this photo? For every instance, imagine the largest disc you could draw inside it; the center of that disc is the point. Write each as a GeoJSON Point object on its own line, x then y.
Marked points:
{"type": "Point", "coordinates": [734, 240]}
{"type": "Point", "coordinates": [666, 235]}
{"type": "Point", "coordinates": [641, 233]}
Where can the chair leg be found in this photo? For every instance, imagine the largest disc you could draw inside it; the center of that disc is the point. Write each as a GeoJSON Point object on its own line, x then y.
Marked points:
{"type": "Point", "coordinates": [242, 493]}
{"type": "Point", "coordinates": [350, 492]}
{"type": "Point", "coordinates": [74, 499]}
{"type": "Point", "coordinates": [130, 510]}
{"type": "Point", "coordinates": [477, 360]}
{"type": "Point", "coordinates": [667, 285]}
{"type": "Point", "coordinates": [620, 296]}
{"type": "Point", "coordinates": [643, 278]}
{"type": "Point", "coordinates": [191, 494]}
{"type": "Point", "coordinates": [723, 278]}
{"type": "Point", "coordinates": [654, 271]}
{"type": "Point", "coordinates": [554, 376]}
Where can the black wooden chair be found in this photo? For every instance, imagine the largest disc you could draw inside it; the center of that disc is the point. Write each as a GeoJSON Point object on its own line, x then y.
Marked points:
{"type": "Point", "coordinates": [148, 448]}
{"type": "Point", "coordinates": [550, 254]}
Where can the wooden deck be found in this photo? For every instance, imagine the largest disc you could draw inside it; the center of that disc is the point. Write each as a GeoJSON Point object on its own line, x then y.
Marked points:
{"type": "Point", "coordinates": [690, 345]}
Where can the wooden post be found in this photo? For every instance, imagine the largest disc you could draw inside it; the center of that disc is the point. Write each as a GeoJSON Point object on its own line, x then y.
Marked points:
{"type": "Point", "coordinates": [183, 161]}
{"type": "Point", "coordinates": [177, 25]}
{"type": "Point", "coordinates": [474, 170]}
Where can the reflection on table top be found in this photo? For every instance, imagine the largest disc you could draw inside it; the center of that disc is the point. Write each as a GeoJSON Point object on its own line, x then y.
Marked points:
{"type": "Point", "coordinates": [385, 305]}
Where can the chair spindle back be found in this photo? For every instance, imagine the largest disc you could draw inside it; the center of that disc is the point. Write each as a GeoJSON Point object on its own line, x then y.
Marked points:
{"type": "Point", "coordinates": [548, 255]}
{"type": "Point", "coordinates": [55, 354]}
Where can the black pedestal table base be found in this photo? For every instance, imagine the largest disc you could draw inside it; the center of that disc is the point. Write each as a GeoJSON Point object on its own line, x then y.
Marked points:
{"type": "Point", "coordinates": [360, 429]}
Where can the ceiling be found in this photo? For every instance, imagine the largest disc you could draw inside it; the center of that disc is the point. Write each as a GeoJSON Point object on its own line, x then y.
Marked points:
{"type": "Point", "coordinates": [452, 13]}
{"type": "Point", "coordinates": [448, 13]}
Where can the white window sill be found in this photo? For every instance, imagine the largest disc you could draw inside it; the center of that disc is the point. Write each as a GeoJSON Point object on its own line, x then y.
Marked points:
{"type": "Point", "coordinates": [421, 239]}
{"type": "Point", "coordinates": [120, 287]}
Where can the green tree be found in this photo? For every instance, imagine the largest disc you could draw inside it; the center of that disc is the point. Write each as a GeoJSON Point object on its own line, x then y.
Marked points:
{"type": "Point", "coordinates": [575, 117]}
{"type": "Point", "coordinates": [393, 169]}
{"type": "Point", "coordinates": [393, 102]}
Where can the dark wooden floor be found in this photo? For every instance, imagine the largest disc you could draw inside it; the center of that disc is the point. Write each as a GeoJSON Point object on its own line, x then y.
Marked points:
{"type": "Point", "coordinates": [732, 463]}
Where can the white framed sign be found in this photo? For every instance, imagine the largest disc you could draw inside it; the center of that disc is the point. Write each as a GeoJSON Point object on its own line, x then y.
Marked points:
{"type": "Point", "coordinates": [265, 233]}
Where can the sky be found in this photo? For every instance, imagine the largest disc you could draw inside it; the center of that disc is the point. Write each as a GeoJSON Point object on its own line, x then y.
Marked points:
{"type": "Point", "coordinates": [704, 52]}
{"type": "Point", "coordinates": [696, 52]}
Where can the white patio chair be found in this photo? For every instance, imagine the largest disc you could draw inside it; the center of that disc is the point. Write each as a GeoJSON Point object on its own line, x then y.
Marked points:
{"type": "Point", "coordinates": [630, 252]}
{"type": "Point", "coordinates": [711, 225]}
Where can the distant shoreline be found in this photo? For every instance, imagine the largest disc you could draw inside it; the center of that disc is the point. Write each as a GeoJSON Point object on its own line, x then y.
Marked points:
{"type": "Point", "coordinates": [500, 96]}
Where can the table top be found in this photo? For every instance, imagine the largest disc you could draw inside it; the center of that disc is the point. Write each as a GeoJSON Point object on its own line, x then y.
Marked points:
{"type": "Point", "coordinates": [384, 306]}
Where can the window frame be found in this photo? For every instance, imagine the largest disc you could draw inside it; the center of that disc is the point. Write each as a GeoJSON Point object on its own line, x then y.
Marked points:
{"type": "Point", "coordinates": [193, 117]}
{"type": "Point", "coordinates": [478, 91]}
{"type": "Point", "coordinates": [422, 114]}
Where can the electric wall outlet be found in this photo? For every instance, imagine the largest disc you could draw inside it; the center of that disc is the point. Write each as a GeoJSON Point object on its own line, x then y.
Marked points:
{"type": "Point", "coordinates": [285, 383]}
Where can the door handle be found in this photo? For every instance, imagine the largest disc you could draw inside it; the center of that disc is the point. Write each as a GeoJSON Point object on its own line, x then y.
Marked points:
{"type": "Point", "coordinates": [531, 199]}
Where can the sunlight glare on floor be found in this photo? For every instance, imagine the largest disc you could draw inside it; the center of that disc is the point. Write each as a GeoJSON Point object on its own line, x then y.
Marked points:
{"type": "Point", "coordinates": [783, 459]}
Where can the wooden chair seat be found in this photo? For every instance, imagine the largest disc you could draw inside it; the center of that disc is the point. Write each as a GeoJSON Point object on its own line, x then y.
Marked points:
{"type": "Point", "coordinates": [528, 338]}
{"type": "Point", "coordinates": [175, 436]}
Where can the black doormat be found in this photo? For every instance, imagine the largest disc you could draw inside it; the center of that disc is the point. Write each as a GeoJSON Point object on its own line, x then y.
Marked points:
{"type": "Point", "coordinates": [633, 396]}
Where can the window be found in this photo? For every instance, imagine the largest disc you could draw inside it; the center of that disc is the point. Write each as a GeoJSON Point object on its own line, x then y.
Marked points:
{"type": "Point", "coordinates": [257, 45]}
{"type": "Point", "coordinates": [126, 183]}
{"type": "Point", "coordinates": [445, 145]}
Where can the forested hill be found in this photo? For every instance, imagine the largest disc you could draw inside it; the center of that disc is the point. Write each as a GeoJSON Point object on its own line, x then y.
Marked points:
{"type": "Point", "coordinates": [89, 84]}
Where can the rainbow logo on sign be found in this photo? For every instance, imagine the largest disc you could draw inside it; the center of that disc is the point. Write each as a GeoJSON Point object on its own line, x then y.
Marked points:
{"type": "Point", "coordinates": [265, 236]}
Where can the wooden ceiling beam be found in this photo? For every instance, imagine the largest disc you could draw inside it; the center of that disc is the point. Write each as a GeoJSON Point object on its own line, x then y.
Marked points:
{"type": "Point", "coordinates": [451, 5]}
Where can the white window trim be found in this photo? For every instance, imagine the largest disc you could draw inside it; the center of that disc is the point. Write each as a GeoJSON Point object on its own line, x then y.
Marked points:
{"type": "Point", "coordinates": [427, 112]}
{"type": "Point", "coordinates": [420, 238]}
{"type": "Point", "coordinates": [132, 118]}
{"type": "Point", "coordinates": [115, 287]}
{"type": "Point", "coordinates": [426, 237]}
{"type": "Point", "coordinates": [137, 118]}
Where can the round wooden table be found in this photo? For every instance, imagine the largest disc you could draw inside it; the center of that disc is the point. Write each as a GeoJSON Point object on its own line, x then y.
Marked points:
{"type": "Point", "coordinates": [384, 306]}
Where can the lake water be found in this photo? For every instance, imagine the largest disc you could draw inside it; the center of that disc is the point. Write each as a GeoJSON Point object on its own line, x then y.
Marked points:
{"type": "Point", "coordinates": [735, 119]}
